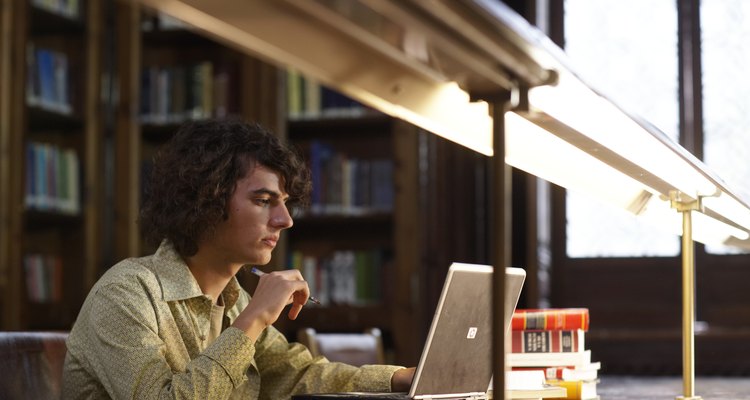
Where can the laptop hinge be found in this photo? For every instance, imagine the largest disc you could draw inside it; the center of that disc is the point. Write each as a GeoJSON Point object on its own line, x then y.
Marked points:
{"type": "Point", "coordinates": [453, 396]}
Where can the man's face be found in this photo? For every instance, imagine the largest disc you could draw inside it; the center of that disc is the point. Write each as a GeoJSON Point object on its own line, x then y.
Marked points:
{"type": "Point", "coordinates": [257, 215]}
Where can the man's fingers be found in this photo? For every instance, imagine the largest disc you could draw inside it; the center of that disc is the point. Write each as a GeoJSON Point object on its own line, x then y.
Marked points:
{"type": "Point", "coordinates": [294, 311]}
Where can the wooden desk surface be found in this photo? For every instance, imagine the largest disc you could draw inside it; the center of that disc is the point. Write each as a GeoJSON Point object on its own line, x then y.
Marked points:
{"type": "Point", "coordinates": [667, 388]}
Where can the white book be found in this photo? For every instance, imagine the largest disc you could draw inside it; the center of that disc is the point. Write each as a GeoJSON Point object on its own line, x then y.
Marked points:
{"type": "Point", "coordinates": [576, 359]}
{"type": "Point", "coordinates": [587, 372]}
{"type": "Point", "coordinates": [523, 380]}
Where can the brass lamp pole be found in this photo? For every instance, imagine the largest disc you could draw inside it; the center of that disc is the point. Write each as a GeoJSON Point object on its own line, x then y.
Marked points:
{"type": "Point", "coordinates": [686, 207]}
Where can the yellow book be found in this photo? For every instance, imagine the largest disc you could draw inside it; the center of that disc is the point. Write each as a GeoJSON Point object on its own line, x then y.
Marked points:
{"type": "Point", "coordinates": [577, 390]}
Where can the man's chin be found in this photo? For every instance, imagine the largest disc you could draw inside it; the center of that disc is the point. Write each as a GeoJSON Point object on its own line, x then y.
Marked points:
{"type": "Point", "coordinates": [262, 260]}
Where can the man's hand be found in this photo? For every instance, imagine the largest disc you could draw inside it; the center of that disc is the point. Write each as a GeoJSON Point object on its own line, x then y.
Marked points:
{"type": "Point", "coordinates": [401, 379]}
{"type": "Point", "coordinates": [274, 291]}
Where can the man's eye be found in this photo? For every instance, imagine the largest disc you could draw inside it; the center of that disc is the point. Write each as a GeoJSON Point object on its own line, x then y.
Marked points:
{"type": "Point", "coordinates": [263, 202]}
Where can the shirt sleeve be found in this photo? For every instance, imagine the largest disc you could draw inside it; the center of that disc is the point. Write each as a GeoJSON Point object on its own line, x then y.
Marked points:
{"type": "Point", "coordinates": [289, 368]}
{"type": "Point", "coordinates": [124, 347]}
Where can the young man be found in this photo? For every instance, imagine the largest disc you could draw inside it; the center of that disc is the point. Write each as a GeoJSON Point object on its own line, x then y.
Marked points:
{"type": "Point", "coordinates": [177, 324]}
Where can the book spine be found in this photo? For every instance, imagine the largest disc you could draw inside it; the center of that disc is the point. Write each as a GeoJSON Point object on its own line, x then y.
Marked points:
{"type": "Point", "coordinates": [294, 93]}
{"type": "Point", "coordinates": [551, 319]}
{"type": "Point", "coordinates": [345, 277]}
{"type": "Point", "coordinates": [558, 373]}
{"type": "Point", "coordinates": [319, 153]}
{"type": "Point", "coordinates": [577, 360]}
{"type": "Point", "coordinates": [547, 341]}
{"type": "Point", "coordinates": [587, 372]}
{"type": "Point", "coordinates": [31, 188]}
{"type": "Point", "coordinates": [576, 390]}
{"type": "Point", "coordinates": [573, 388]}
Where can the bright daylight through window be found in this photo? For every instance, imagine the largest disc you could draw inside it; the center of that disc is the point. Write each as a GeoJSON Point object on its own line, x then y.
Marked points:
{"type": "Point", "coordinates": [725, 55]}
{"type": "Point", "coordinates": [627, 50]}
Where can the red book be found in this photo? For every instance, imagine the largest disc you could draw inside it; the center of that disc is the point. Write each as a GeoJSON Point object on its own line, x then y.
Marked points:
{"type": "Point", "coordinates": [551, 319]}
{"type": "Point", "coordinates": [541, 341]}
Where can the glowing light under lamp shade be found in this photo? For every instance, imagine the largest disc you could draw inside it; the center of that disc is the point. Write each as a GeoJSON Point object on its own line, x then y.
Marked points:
{"type": "Point", "coordinates": [540, 153]}
{"type": "Point", "coordinates": [573, 103]}
{"type": "Point", "coordinates": [531, 148]}
{"type": "Point", "coordinates": [705, 229]}
{"type": "Point", "coordinates": [729, 207]}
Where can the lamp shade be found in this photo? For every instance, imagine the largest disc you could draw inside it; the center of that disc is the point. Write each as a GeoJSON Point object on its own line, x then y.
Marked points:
{"type": "Point", "coordinates": [572, 136]}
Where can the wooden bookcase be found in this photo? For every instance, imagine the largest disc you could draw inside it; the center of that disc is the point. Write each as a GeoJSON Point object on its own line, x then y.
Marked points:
{"type": "Point", "coordinates": [52, 161]}
{"type": "Point", "coordinates": [262, 96]}
{"type": "Point", "coordinates": [357, 244]}
{"type": "Point", "coordinates": [99, 235]}
{"type": "Point", "coordinates": [170, 74]}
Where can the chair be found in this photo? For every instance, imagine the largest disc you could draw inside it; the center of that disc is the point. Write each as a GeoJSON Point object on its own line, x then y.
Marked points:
{"type": "Point", "coordinates": [351, 348]}
{"type": "Point", "coordinates": [31, 364]}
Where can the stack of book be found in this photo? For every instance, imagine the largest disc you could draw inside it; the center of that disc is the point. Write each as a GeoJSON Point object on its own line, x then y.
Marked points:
{"type": "Point", "coordinates": [553, 341]}
{"type": "Point", "coordinates": [528, 385]}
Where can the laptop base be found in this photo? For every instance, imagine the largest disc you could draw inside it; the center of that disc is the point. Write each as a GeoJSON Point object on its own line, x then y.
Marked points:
{"type": "Point", "coordinates": [383, 396]}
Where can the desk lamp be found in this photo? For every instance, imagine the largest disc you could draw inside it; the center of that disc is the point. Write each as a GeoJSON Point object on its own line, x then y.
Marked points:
{"type": "Point", "coordinates": [475, 72]}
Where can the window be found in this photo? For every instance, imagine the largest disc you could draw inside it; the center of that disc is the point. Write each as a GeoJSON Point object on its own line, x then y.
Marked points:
{"type": "Point", "coordinates": [627, 50]}
{"type": "Point", "coordinates": [726, 122]}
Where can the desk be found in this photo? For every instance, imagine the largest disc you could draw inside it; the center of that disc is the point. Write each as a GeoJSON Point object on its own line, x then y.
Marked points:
{"type": "Point", "coordinates": [667, 388]}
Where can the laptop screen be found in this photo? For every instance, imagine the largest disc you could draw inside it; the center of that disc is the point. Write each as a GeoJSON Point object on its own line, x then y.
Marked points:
{"type": "Point", "coordinates": [457, 355]}
{"type": "Point", "coordinates": [456, 359]}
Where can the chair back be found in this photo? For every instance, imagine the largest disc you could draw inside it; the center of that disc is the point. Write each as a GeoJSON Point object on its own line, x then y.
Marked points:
{"type": "Point", "coordinates": [351, 348]}
{"type": "Point", "coordinates": [31, 364]}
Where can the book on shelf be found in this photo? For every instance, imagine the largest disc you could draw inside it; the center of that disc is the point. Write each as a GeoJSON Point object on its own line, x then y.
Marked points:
{"type": "Point", "coordinates": [52, 180]}
{"type": "Point", "coordinates": [586, 372]}
{"type": "Point", "coordinates": [294, 88]}
{"type": "Point", "coordinates": [577, 390]}
{"type": "Point", "coordinates": [172, 94]}
{"type": "Point", "coordinates": [47, 82]}
{"type": "Point", "coordinates": [166, 22]}
{"type": "Point", "coordinates": [44, 277]}
{"type": "Point", "coordinates": [542, 341]}
{"type": "Point", "coordinates": [308, 99]}
{"type": "Point", "coordinates": [345, 185]}
{"type": "Point", "coordinates": [345, 277]}
{"type": "Point", "coordinates": [65, 8]}
{"type": "Point", "coordinates": [551, 319]}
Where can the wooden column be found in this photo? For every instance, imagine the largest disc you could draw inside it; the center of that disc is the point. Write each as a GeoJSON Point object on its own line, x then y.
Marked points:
{"type": "Point", "coordinates": [93, 179]}
{"type": "Point", "coordinates": [127, 132]}
{"type": "Point", "coordinates": [15, 14]}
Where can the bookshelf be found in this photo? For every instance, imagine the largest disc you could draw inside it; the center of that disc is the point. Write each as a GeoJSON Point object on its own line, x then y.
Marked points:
{"type": "Point", "coordinates": [357, 243]}
{"type": "Point", "coordinates": [171, 74]}
{"type": "Point", "coordinates": [88, 239]}
{"type": "Point", "coordinates": [146, 51]}
{"type": "Point", "coordinates": [51, 175]}
{"type": "Point", "coordinates": [150, 53]}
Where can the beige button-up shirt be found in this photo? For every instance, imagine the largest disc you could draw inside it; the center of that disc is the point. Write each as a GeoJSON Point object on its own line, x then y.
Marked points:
{"type": "Point", "coordinates": [143, 333]}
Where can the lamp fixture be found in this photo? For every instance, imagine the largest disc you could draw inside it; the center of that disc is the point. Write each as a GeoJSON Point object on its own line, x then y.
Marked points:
{"type": "Point", "coordinates": [572, 136]}
{"type": "Point", "coordinates": [462, 51]}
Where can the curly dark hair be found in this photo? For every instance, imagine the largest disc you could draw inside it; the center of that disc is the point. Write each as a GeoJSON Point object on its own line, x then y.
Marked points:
{"type": "Point", "coordinates": [195, 173]}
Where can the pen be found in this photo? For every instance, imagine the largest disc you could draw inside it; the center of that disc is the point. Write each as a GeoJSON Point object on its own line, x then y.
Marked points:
{"type": "Point", "coordinates": [258, 272]}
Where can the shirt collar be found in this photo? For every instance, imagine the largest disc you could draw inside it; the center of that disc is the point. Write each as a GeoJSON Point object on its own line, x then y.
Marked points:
{"type": "Point", "coordinates": [178, 283]}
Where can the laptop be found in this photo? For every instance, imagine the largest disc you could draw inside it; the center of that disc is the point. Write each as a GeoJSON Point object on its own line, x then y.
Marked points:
{"type": "Point", "coordinates": [456, 361]}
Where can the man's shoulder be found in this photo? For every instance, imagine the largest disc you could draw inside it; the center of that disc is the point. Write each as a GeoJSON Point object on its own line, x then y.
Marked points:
{"type": "Point", "coordinates": [129, 271]}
